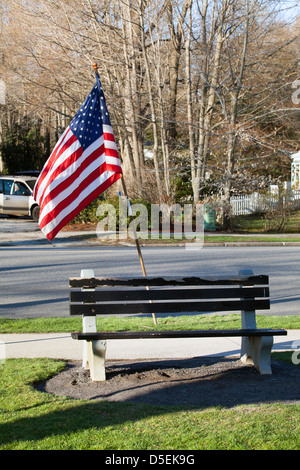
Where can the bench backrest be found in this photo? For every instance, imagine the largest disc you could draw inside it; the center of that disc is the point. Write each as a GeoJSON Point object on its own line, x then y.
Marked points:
{"type": "Point", "coordinates": [108, 296]}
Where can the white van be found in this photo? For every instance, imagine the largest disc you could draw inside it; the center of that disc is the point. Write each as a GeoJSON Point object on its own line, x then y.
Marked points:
{"type": "Point", "coordinates": [16, 196]}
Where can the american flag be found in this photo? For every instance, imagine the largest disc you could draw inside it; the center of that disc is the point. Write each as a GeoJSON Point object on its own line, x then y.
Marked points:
{"type": "Point", "coordinates": [83, 163]}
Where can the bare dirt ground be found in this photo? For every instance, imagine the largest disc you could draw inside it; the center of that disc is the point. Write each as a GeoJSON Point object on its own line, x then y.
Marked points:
{"type": "Point", "coordinates": [200, 382]}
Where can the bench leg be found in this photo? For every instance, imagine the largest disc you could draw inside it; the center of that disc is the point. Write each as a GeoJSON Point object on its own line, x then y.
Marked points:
{"type": "Point", "coordinates": [97, 360]}
{"type": "Point", "coordinates": [89, 323]}
{"type": "Point", "coordinates": [257, 351]}
{"type": "Point", "coordinates": [87, 345]}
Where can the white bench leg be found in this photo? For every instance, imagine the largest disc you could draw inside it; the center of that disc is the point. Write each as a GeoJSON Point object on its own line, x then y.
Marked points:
{"type": "Point", "coordinates": [89, 324]}
{"type": "Point", "coordinates": [255, 350]}
{"type": "Point", "coordinates": [258, 352]}
{"type": "Point", "coordinates": [97, 360]}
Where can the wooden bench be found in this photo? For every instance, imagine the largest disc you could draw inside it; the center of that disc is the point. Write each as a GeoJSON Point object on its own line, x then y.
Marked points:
{"type": "Point", "coordinates": [90, 296]}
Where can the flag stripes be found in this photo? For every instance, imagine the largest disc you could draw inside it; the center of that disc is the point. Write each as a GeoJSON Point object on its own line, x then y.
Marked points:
{"type": "Point", "coordinates": [76, 173]}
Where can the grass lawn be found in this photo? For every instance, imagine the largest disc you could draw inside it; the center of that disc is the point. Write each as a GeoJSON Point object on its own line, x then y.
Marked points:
{"type": "Point", "coordinates": [32, 420]}
{"type": "Point", "coordinates": [266, 222]}
{"type": "Point", "coordinates": [245, 238]}
{"type": "Point", "coordinates": [186, 322]}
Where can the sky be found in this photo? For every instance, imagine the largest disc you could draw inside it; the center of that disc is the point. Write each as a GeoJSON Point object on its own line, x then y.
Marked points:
{"type": "Point", "coordinates": [291, 9]}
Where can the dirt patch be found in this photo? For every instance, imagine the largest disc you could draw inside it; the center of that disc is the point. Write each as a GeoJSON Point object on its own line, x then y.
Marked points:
{"type": "Point", "coordinates": [82, 227]}
{"type": "Point", "coordinates": [200, 382]}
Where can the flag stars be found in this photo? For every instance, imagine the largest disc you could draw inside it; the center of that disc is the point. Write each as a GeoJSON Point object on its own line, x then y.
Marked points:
{"type": "Point", "coordinates": [88, 122]}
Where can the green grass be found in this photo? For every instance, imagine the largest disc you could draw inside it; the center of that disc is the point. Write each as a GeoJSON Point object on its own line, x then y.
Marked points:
{"type": "Point", "coordinates": [258, 222]}
{"type": "Point", "coordinates": [32, 420]}
{"type": "Point", "coordinates": [187, 322]}
{"type": "Point", "coordinates": [245, 238]}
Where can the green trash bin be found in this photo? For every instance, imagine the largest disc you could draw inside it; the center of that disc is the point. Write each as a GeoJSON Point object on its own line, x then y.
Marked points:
{"type": "Point", "coordinates": [209, 218]}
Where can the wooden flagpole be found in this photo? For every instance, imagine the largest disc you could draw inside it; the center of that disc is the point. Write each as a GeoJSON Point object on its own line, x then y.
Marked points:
{"type": "Point", "coordinates": [131, 219]}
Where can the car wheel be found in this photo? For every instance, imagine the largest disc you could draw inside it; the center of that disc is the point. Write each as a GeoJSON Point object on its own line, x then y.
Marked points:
{"type": "Point", "coordinates": [35, 213]}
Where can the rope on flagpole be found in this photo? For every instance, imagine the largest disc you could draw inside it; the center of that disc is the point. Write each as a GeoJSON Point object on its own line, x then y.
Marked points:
{"type": "Point", "coordinates": [131, 219]}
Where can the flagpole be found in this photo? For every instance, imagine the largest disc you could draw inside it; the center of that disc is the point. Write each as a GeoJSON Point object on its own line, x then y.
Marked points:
{"type": "Point", "coordinates": [131, 219]}
{"type": "Point", "coordinates": [134, 231]}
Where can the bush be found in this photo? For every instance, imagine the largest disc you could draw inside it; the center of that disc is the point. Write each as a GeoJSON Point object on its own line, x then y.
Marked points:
{"type": "Point", "coordinates": [89, 214]}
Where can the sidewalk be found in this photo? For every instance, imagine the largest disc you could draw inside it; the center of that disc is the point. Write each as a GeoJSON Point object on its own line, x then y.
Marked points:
{"type": "Point", "coordinates": [18, 236]}
{"type": "Point", "coordinates": [89, 238]}
{"type": "Point", "coordinates": [62, 346]}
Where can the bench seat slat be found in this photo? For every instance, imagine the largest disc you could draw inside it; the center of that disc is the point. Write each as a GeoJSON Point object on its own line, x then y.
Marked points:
{"type": "Point", "coordinates": [168, 294]}
{"type": "Point", "coordinates": [176, 334]}
{"type": "Point", "coordinates": [168, 281]}
{"type": "Point", "coordinates": [167, 307]}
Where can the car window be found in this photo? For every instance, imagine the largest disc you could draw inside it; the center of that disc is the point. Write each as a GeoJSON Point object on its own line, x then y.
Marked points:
{"type": "Point", "coordinates": [7, 186]}
{"type": "Point", "coordinates": [1, 187]}
{"type": "Point", "coordinates": [20, 189]}
{"type": "Point", "coordinates": [31, 183]}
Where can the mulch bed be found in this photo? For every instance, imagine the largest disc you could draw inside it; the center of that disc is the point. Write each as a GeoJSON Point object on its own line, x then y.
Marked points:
{"type": "Point", "coordinates": [200, 382]}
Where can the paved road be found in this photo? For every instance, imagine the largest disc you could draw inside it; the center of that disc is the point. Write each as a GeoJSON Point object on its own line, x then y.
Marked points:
{"type": "Point", "coordinates": [17, 224]}
{"type": "Point", "coordinates": [34, 279]}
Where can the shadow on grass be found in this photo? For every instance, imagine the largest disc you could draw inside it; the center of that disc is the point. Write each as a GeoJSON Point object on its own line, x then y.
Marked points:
{"type": "Point", "coordinates": [72, 419]}
{"type": "Point", "coordinates": [132, 400]}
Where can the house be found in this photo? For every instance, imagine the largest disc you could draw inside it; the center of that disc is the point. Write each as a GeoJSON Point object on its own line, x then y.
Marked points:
{"type": "Point", "coordinates": [295, 171]}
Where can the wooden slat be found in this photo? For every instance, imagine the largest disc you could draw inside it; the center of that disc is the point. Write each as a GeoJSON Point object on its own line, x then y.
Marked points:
{"type": "Point", "coordinates": [176, 334]}
{"type": "Point", "coordinates": [168, 281]}
{"type": "Point", "coordinates": [167, 307]}
{"type": "Point", "coordinates": [104, 295]}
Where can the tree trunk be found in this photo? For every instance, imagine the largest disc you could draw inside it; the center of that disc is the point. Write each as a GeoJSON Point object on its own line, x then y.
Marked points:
{"type": "Point", "coordinates": [152, 107]}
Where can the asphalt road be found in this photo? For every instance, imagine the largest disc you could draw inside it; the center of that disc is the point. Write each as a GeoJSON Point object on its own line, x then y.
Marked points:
{"type": "Point", "coordinates": [10, 224]}
{"type": "Point", "coordinates": [34, 280]}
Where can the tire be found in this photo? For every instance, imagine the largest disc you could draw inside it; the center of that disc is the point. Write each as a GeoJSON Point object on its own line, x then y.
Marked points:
{"type": "Point", "coordinates": [35, 212]}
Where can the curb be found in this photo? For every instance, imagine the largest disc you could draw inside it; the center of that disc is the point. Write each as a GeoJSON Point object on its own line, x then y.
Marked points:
{"type": "Point", "coordinates": [86, 239]}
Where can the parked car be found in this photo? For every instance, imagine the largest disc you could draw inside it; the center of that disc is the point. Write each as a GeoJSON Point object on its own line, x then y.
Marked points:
{"type": "Point", "coordinates": [16, 196]}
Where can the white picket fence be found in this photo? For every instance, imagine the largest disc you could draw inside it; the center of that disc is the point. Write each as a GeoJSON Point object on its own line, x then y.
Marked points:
{"type": "Point", "coordinates": [247, 204]}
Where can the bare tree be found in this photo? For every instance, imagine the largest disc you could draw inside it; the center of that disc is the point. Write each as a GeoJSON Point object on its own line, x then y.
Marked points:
{"type": "Point", "coordinates": [204, 92]}
{"type": "Point", "coordinates": [198, 78]}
